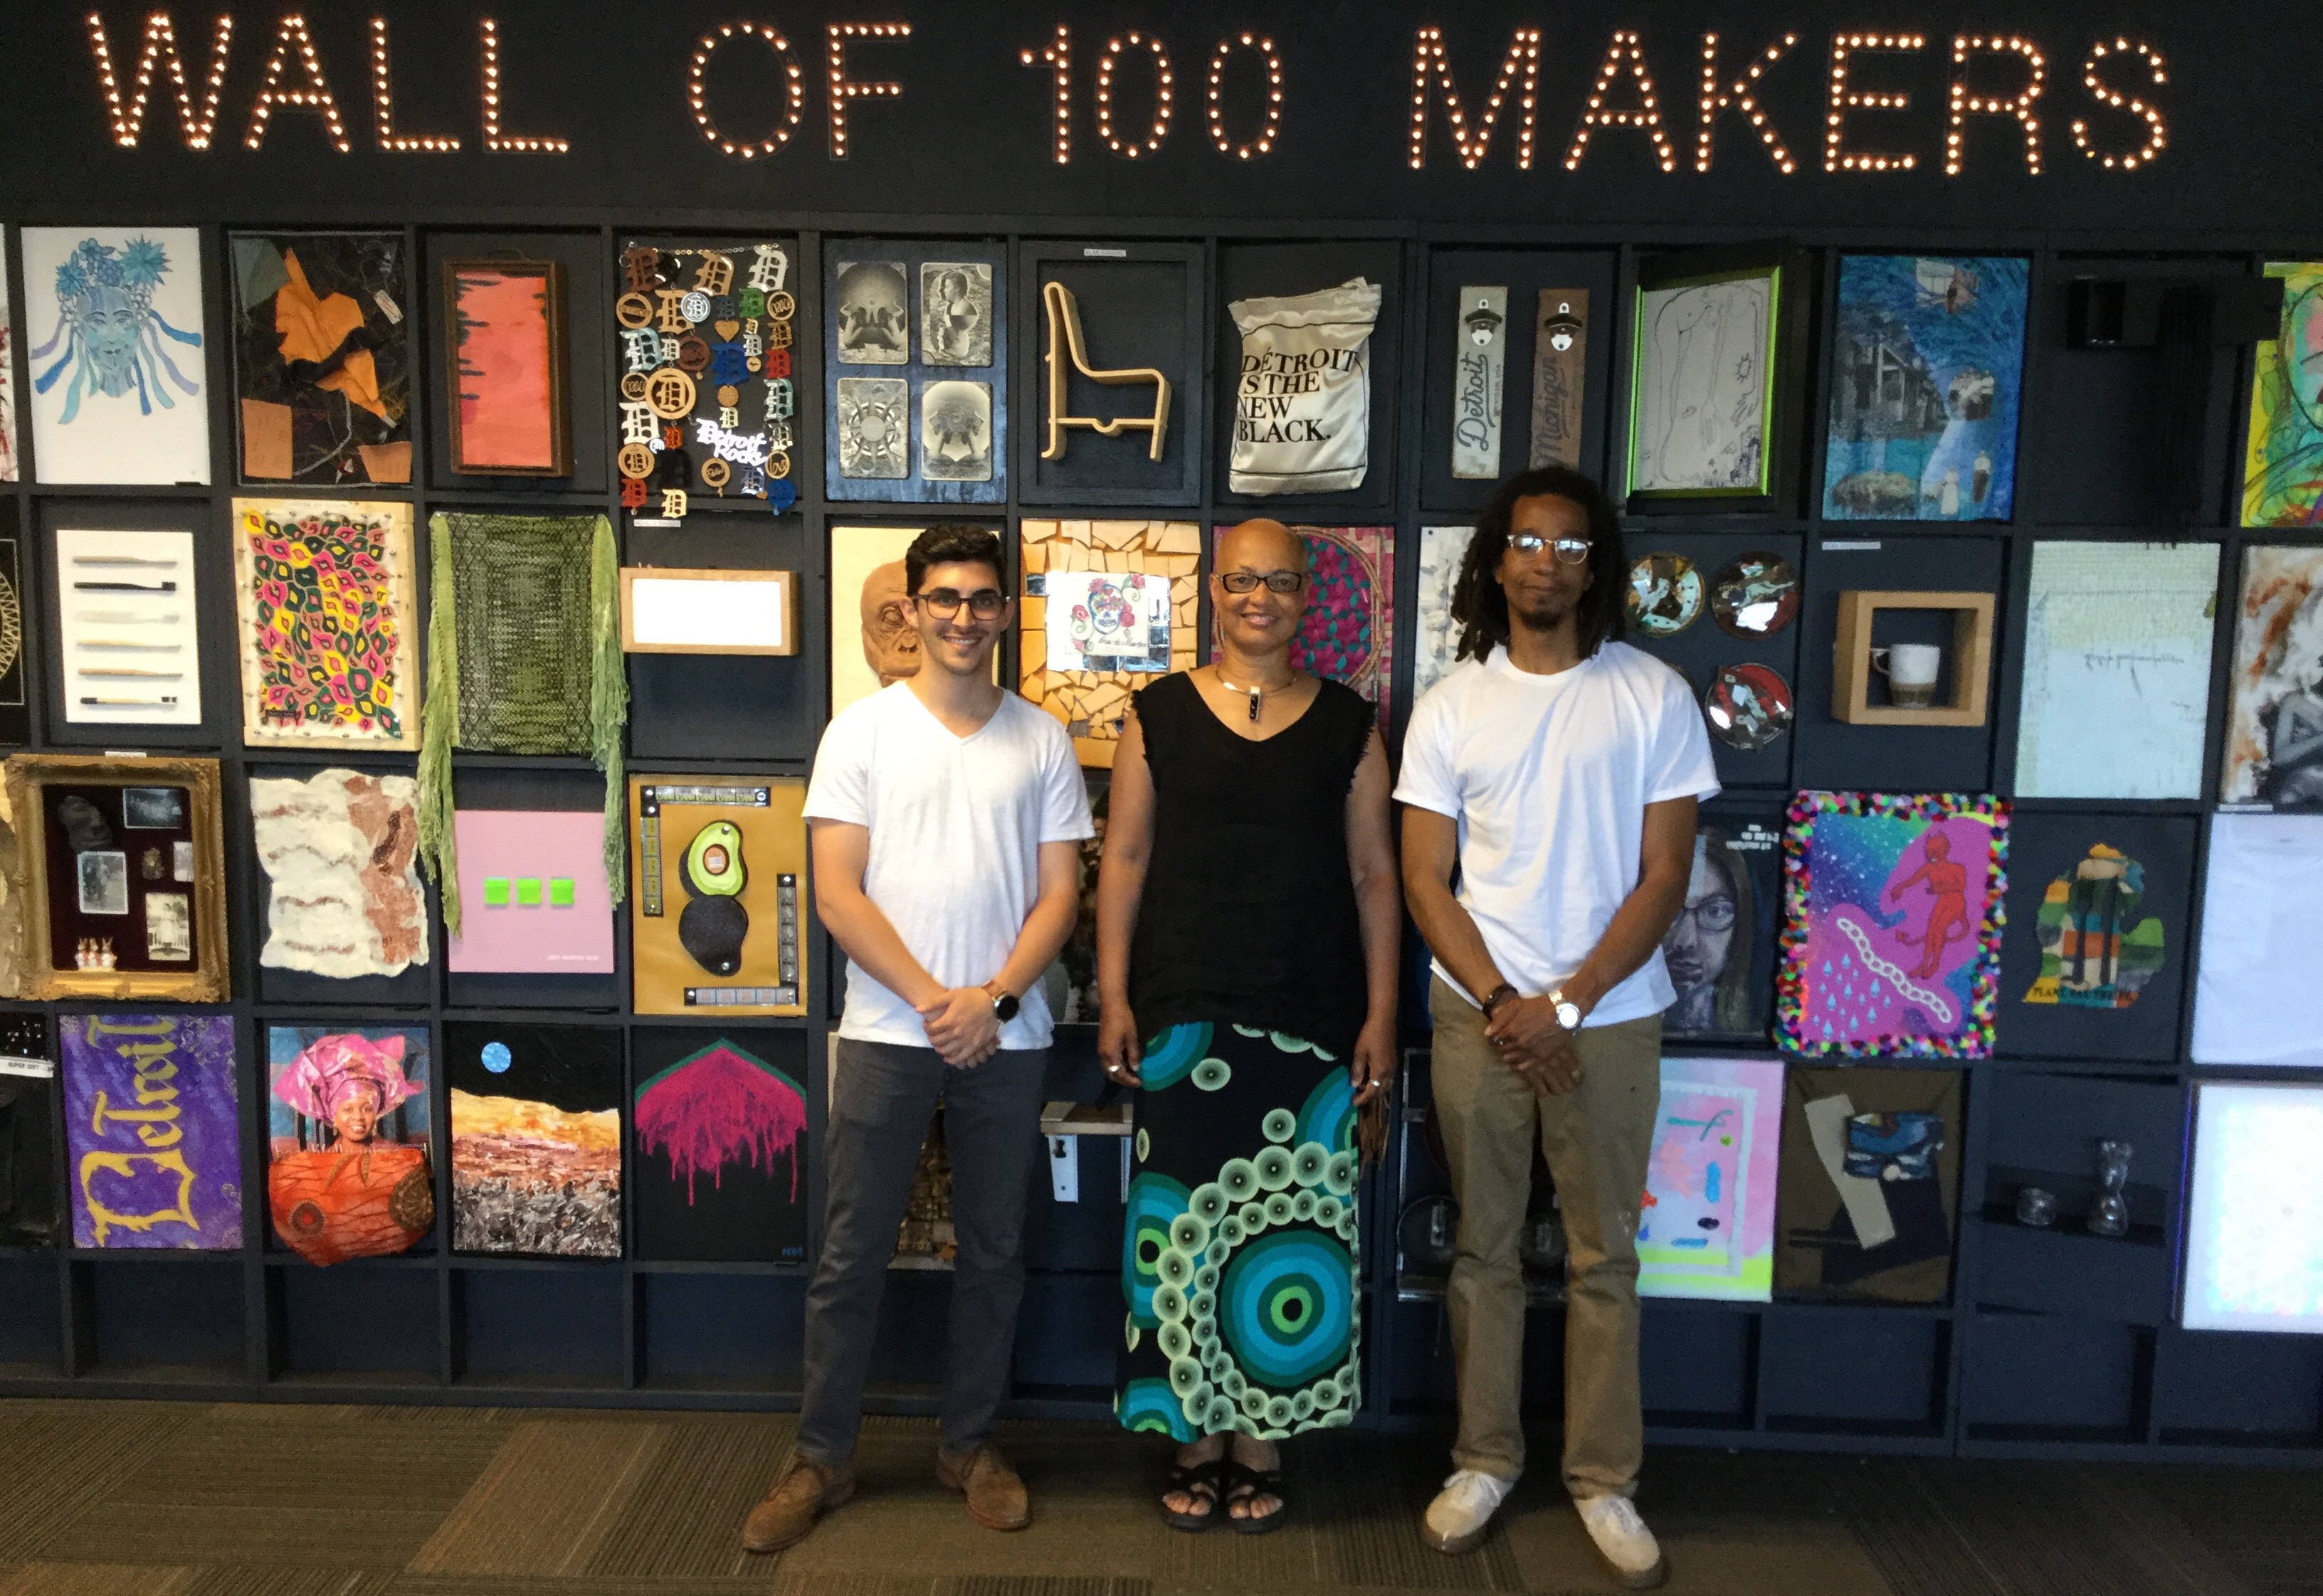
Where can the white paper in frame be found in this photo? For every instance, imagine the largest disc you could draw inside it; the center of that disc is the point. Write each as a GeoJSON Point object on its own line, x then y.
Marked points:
{"type": "Point", "coordinates": [131, 652]}
{"type": "Point", "coordinates": [113, 328]}
{"type": "Point", "coordinates": [691, 611]}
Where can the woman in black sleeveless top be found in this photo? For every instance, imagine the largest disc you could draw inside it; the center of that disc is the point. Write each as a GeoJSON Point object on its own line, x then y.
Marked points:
{"type": "Point", "coordinates": [1248, 913]}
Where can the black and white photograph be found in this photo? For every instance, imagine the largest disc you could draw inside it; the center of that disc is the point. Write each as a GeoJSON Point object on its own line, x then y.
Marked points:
{"type": "Point", "coordinates": [955, 313]}
{"type": "Point", "coordinates": [874, 413]}
{"type": "Point", "coordinates": [153, 809]}
{"type": "Point", "coordinates": [956, 432]}
{"type": "Point", "coordinates": [169, 925]}
{"type": "Point", "coordinates": [181, 860]}
{"type": "Point", "coordinates": [103, 882]}
{"type": "Point", "coordinates": [875, 319]}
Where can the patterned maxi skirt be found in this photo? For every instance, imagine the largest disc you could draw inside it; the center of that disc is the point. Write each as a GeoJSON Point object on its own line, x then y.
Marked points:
{"type": "Point", "coordinates": [1239, 1246]}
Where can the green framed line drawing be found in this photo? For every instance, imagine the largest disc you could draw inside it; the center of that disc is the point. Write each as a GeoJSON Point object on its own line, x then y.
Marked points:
{"type": "Point", "coordinates": [1708, 387]}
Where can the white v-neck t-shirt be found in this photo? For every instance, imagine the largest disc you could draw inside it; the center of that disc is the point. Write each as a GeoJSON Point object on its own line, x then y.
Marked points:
{"type": "Point", "coordinates": [1548, 777]}
{"type": "Point", "coordinates": [956, 824]}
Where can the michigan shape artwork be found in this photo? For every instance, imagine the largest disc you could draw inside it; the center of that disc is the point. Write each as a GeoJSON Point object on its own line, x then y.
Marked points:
{"type": "Point", "coordinates": [1891, 934]}
{"type": "Point", "coordinates": [2096, 953]}
{"type": "Point", "coordinates": [536, 1138]}
{"type": "Point", "coordinates": [1924, 389]}
{"type": "Point", "coordinates": [2283, 462]}
{"type": "Point", "coordinates": [721, 1154]}
{"type": "Point", "coordinates": [150, 1129]}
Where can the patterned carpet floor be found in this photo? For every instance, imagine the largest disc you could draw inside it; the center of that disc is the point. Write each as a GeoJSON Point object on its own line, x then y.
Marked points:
{"type": "Point", "coordinates": [132, 1498]}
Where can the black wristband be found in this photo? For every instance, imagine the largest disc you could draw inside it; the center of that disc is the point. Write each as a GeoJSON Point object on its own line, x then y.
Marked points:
{"type": "Point", "coordinates": [1497, 996]}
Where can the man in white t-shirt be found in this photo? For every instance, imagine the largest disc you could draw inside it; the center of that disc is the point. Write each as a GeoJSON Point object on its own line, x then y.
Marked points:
{"type": "Point", "coordinates": [948, 817]}
{"type": "Point", "coordinates": [1556, 769]}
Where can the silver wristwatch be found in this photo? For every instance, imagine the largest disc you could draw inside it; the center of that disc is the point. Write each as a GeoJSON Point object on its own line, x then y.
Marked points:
{"type": "Point", "coordinates": [1568, 1013]}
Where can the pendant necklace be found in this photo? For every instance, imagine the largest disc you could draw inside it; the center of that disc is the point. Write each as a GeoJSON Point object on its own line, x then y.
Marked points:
{"type": "Point", "coordinates": [1256, 693]}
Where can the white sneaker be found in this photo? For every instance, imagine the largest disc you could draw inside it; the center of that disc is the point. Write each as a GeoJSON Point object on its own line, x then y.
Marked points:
{"type": "Point", "coordinates": [1463, 1511]}
{"type": "Point", "coordinates": [1623, 1541]}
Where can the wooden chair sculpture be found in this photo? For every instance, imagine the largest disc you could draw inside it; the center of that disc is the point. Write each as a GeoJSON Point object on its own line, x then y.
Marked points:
{"type": "Point", "coordinates": [1064, 317]}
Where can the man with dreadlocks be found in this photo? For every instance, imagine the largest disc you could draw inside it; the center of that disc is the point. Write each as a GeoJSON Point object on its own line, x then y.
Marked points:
{"type": "Point", "coordinates": [1556, 769]}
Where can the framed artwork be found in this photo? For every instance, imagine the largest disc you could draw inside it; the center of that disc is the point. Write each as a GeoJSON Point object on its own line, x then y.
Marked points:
{"type": "Point", "coordinates": [1435, 635]}
{"type": "Point", "coordinates": [7, 374]}
{"type": "Point", "coordinates": [668, 610]}
{"type": "Point", "coordinates": [721, 1151]}
{"type": "Point", "coordinates": [324, 593]}
{"type": "Point", "coordinates": [2283, 449]}
{"type": "Point", "coordinates": [873, 644]}
{"type": "Point", "coordinates": [708, 403]}
{"type": "Point", "coordinates": [533, 893]}
{"type": "Point", "coordinates": [15, 709]}
{"type": "Point", "coordinates": [322, 357]}
{"type": "Point", "coordinates": [340, 850]}
{"type": "Point", "coordinates": [119, 388]}
{"type": "Point", "coordinates": [917, 356]}
{"type": "Point", "coordinates": [124, 877]}
{"type": "Point", "coordinates": [1708, 1227]}
{"type": "Point", "coordinates": [1720, 951]}
{"type": "Point", "coordinates": [2253, 1240]}
{"type": "Point", "coordinates": [1714, 379]}
{"type": "Point", "coordinates": [2256, 1000]}
{"type": "Point", "coordinates": [714, 922]}
{"type": "Point", "coordinates": [28, 1164]}
{"type": "Point", "coordinates": [1926, 381]}
{"type": "Point", "coordinates": [1891, 924]}
{"type": "Point", "coordinates": [1867, 1198]}
{"type": "Point", "coordinates": [2115, 690]}
{"type": "Point", "coordinates": [12, 902]}
{"type": "Point", "coordinates": [536, 1133]}
{"type": "Point", "coordinates": [1348, 631]}
{"type": "Point", "coordinates": [347, 1172]}
{"type": "Point", "coordinates": [153, 1133]}
{"type": "Point", "coordinates": [1108, 607]}
{"type": "Point", "coordinates": [129, 644]}
{"type": "Point", "coordinates": [505, 400]}
{"type": "Point", "coordinates": [2274, 722]}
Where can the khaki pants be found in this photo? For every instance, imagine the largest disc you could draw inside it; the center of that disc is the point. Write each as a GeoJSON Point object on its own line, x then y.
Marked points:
{"type": "Point", "coordinates": [1597, 1139]}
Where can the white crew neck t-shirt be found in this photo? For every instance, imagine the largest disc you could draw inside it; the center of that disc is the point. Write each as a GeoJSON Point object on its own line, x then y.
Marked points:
{"type": "Point", "coordinates": [957, 824]}
{"type": "Point", "coordinates": [1550, 777]}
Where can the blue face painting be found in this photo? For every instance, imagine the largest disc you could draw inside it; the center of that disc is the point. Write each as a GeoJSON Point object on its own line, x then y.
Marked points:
{"type": "Point", "coordinates": [111, 338]}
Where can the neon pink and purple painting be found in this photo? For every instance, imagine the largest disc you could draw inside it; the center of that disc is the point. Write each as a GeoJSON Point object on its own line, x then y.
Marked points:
{"type": "Point", "coordinates": [1891, 932]}
{"type": "Point", "coordinates": [721, 1157]}
{"type": "Point", "coordinates": [1707, 1225]}
{"type": "Point", "coordinates": [150, 1126]}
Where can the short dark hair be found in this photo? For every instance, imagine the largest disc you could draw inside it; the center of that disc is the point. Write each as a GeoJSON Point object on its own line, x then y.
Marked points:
{"type": "Point", "coordinates": [1482, 608]}
{"type": "Point", "coordinates": [949, 543]}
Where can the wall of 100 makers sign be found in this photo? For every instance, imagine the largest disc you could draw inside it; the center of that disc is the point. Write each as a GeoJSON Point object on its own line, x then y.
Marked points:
{"type": "Point", "coordinates": [1848, 925]}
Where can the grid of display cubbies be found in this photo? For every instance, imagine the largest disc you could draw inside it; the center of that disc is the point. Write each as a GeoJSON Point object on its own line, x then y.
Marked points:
{"type": "Point", "coordinates": [2048, 1340]}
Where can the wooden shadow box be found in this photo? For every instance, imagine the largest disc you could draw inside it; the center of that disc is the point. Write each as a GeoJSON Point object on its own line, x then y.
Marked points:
{"type": "Point", "coordinates": [1971, 661]}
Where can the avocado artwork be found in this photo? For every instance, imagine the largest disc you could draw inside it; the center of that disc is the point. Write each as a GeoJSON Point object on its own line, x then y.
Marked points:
{"type": "Point", "coordinates": [2095, 953]}
{"type": "Point", "coordinates": [714, 918]}
{"type": "Point", "coordinates": [711, 927]}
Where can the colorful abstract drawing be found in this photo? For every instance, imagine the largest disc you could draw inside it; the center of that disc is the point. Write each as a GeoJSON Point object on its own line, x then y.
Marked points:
{"type": "Point", "coordinates": [326, 595]}
{"type": "Point", "coordinates": [2274, 727]}
{"type": "Point", "coordinates": [1348, 632]}
{"type": "Point", "coordinates": [322, 357]}
{"type": "Point", "coordinates": [2254, 1238]}
{"type": "Point", "coordinates": [2282, 460]}
{"type": "Point", "coordinates": [347, 1173]}
{"type": "Point", "coordinates": [1707, 1228]}
{"type": "Point", "coordinates": [2095, 953]}
{"type": "Point", "coordinates": [1891, 934]}
{"type": "Point", "coordinates": [152, 1138]}
{"type": "Point", "coordinates": [721, 1157]}
{"type": "Point", "coordinates": [1924, 389]}
{"type": "Point", "coordinates": [117, 383]}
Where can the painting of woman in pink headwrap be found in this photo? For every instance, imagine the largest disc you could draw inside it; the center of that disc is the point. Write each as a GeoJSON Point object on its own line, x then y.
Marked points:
{"type": "Point", "coordinates": [347, 1131]}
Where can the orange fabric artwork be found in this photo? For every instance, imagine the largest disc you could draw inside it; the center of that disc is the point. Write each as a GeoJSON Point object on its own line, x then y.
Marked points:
{"type": "Point", "coordinates": [312, 329]}
{"type": "Point", "coordinates": [507, 412]}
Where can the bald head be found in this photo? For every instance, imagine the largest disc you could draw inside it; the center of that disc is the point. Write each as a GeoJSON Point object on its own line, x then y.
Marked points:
{"type": "Point", "coordinates": [1262, 545]}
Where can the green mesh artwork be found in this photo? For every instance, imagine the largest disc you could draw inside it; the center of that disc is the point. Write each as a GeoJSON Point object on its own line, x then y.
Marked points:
{"type": "Point", "coordinates": [524, 656]}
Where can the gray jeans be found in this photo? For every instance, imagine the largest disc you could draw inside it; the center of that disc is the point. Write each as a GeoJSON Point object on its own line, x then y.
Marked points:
{"type": "Point", "coordinates": [880, 1105]}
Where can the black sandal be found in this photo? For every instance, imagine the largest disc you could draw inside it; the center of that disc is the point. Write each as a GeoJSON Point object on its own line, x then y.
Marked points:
{"type": "Point", "coordinates": [1246, 1484]}
{"type": "Point", "coordinates": [1193, 1479]}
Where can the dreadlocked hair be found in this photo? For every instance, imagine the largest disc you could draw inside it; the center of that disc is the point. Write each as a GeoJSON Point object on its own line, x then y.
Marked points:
{"type": "Point", "coordinates": [1480, 607]}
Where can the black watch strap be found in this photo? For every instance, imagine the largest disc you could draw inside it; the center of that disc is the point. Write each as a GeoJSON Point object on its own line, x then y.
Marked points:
{"type": "Point", "coordinates": [1497, 996]}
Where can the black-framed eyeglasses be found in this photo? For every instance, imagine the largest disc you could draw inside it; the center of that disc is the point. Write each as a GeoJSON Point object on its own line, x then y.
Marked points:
{"type": "Point", "coordinates": [1277, 581]}
{"type": "Point", "coordinates": [985, 603]}
{"type": "Point", "coordinates": [1571, 551]}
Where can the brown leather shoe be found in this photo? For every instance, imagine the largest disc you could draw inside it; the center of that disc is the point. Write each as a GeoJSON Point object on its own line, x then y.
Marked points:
{"type": "Point", "coordinates": [996, 1496]}
{"type": "Point", "coordinates": [803, 1493]}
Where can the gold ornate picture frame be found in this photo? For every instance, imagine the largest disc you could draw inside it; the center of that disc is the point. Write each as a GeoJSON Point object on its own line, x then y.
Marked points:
{"type": "Point", "coordinates": [162, 859]}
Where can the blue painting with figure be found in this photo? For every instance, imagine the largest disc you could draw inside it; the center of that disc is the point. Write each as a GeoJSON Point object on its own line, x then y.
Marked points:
{"type": "Point", "coordinates": [1924, 389]}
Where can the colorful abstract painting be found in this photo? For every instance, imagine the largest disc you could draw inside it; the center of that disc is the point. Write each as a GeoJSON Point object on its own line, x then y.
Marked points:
{"type": "Point", "coordinates": [2274, 725]}
{"type": "Point", "coordinates": [325, 597]}
{"type": "Point", "coordinates": [508, 368]}
{"type": "Point", "coordinates": [347, 1174]}
{"type": "Point", "coordinates": [114, 322]}
{"type": "Point", "coordinates": [1106, 606]}
{"type": "Point", "coordinates": [2282, 452]}
{"type": "Point", "coordinates": [720, 1150]}
{"type": "Point", "coordinates": [1348, 632]}
{"type": "Point", "coordinates": [322, 357]}
{"type": "Point", "coordinates": [1925, 384]}
{"type": "Point", "coordinates": [8, 375]}
{"type": "Point", "coordinates": [1868, 1196]}
{"type": "Point", "coordinates": [2095, 951]}
{"type": "Point", "coordinates": [1891, 931]}
{"type": "Point", "coordinates": [1708, 1225]}
{"type": "Point", "coordinates": [536, 1138]}
{"type": "Point", "coordinates": [154, 1141]}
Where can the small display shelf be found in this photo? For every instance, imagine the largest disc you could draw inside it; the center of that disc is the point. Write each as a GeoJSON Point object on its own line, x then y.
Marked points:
{"type": "Point", "coordinates": [1970, 664]}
